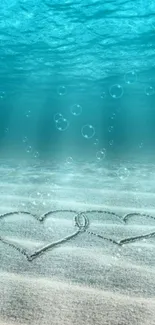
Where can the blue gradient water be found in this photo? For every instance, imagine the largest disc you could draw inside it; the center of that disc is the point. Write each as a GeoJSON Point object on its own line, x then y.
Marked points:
{"type": "Point", "coordinates": [90, 61]}
{"type": "Point", "coordinates": [77, 144]}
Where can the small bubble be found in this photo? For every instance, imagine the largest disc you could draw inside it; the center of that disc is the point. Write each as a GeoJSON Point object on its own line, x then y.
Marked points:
{"type": "Point", "coordinates": [69, 160]}
{"type": "Point", "coordinates": [2, 94]}
{"type": "Point", "coordinates": [62, 91]}
{"type": "Point", "coordinates": [62, 124]}
{"type": "Point", "coordinates": [76, 110]}
{"type": "Point", "coordinates": [96, 142]}
{"type": "Point", "coordinates": [36, 154]}
{"type": "Point", "coordinates": [103, 150]}
{"type": "Point", "coordinates": [141, 145]}
{"type": "Point", "coordinates": [25, 139]}
{"type": "Point", "coordinates": [29, 149]}
{"type": "Point", "coordinates": [88, 131]}
{"type": "Point", "coordinates": [149, 91]}
{"type": "Point", "coordinates": [28, 114]}
{"type": "Point", "coordinates": [111, 142]}
{"type": "Point", "coordinates": [57, 116]}
{"type": "Point", "coordinates": [116, 91]}
{"type": "Point", "coordinates": [113, 116]}
{"type": "Point", "coordinates": [103, 95]}
{"type": "Point", "coordinates": [100, 155]}
{"type": "Point", "coordinates": [111, 128]}
{"type": "Point", "coordinates": [130, 77]}
{"type": "Point", "coordinates": [123, 173]}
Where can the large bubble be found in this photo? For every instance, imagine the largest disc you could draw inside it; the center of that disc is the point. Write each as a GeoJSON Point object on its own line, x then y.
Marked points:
{"type": "Point", "coordinates": [88, 131]}
{"type": "Point", "coordinates": [116, 91]}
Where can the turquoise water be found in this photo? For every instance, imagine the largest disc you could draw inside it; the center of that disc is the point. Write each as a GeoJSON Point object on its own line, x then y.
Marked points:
{"type": "Point", "coordinates": [77, 78]}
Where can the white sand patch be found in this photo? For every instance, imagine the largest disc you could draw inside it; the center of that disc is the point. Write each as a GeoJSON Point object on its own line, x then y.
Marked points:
{"type": "Point", "coordinates": [86, 280]}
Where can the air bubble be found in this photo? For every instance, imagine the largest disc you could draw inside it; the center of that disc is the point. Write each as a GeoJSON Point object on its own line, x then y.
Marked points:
{"type": "Point", "coordinates": [29, 149]}
{"type": "Point", "coordinates": [149, 91]}
{"type": "Point", "coordinates": [116, 91]}
{"type": "Point", "coordinates": [111, 142]}
{"type": "Point", "coordinates": [57, 116]}
{"type": "Point", "coordinates": [25, 139]}
{"type": "Point", "coordinates": [100, 155]}
{"type": "Point", "coordinates": [62, 91]}
{"type": "Point", "coordinates": [96, 142]}
{"type": "Point", "coordinates": [111, 128]}
{"type": "Point", "coordinates": [123, 173]}
{"type": "Point", "coordinates": [62, 124]}
{"type": "Point", "coordinates": [28, 114]}
{"type": "Point", "coordinates": [69, 160]}
{"type": "Point", "coordinates": [88, 131]}
{"type": "Point", "coordinates": [2, 94]}
{"type": "Point", "coordinates": [36, 154]}
{"type": "Point", "coordinates": [103, 95]}
{"type": "Point", "coordinates": [130, 77]}
{"type": "Point", "coordinates": [76, 110]}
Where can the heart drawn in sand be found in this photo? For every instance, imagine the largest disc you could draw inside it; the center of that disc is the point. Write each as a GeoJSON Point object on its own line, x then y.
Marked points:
{"type": "Point", "coordinates": [127, 232]}
{"type": "Point", "coordinates": [82, 224]}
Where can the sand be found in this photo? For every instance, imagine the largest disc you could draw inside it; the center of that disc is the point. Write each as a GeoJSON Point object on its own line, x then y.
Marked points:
{"type": "Point", "coordinates": [84, 280]}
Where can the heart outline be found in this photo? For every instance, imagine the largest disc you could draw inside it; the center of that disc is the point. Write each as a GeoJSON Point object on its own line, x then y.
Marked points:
{"type": "Point", "coordinates": [41, 219]}
{"type": "Point", "coordinates": [124, 220]}
{"type": "Point", "coordinates": [81, 228]}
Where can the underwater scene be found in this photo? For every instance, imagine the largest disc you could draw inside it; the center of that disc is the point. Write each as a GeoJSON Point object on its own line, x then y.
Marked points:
{"type": "Point", "coordinates": [77, 162]}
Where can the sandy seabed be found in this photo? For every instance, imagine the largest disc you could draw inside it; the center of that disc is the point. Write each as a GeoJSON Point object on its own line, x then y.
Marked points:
{"type": "Point", "coordinates": [86, 280]}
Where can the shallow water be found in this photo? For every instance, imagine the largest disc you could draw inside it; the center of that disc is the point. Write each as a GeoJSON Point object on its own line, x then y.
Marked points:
{"type": "Point", "coordinates": [77, 98]}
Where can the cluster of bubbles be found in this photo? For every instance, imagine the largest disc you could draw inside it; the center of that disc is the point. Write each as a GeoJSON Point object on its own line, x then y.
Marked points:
{"type": "Point", "coordinates": [116, 91]}
{"type": "Point", "coordinates": [61, 122]}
